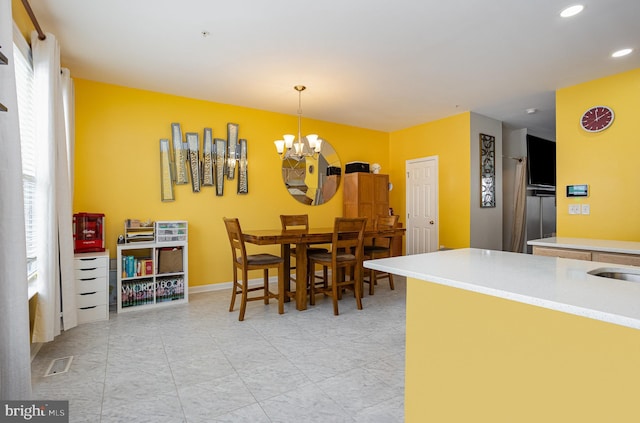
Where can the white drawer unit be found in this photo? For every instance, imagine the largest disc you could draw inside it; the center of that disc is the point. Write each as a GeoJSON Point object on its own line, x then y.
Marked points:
{"type": "Point", "coordinates": [91, 272]}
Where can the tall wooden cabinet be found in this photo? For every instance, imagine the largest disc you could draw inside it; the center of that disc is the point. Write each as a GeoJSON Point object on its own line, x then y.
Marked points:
{"type": "Point", "coordinates": [366, 195]}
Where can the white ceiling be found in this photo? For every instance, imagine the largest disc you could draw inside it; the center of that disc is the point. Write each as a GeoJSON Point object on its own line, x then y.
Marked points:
{"type": "Point", "coordinates": [378, 64]}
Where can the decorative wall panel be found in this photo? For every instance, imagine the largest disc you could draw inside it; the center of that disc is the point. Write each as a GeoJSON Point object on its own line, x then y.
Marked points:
{"type": "Point", "coordinates": [487, 170]}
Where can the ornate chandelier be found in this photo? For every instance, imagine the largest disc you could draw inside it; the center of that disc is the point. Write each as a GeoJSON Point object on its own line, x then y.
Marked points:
{"type": "Point", "coordinates": [298, 149]}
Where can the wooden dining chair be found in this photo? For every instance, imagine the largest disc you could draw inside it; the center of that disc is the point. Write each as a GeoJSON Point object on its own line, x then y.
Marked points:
{"type": "Point", "coordinates": [380, 247]}
{"type": "Point", "coordinates": [346, 254]}
{"type": "Point", "coordinates": [244, 263]}
{"type": "Point", "coordinates": [300, 222]}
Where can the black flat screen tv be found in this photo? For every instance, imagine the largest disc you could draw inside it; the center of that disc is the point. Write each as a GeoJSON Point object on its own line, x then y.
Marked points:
{"type": "Point", "coordinates": [541, 162]}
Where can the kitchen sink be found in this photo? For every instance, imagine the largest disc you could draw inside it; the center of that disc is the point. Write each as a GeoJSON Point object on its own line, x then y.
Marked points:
{"type": "Point", "coordinates": [631, 275]}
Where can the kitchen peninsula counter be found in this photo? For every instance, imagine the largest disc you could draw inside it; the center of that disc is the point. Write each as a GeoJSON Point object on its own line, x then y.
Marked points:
{"type": "Point", "coordinates": [557, 284]}
{"type": "Point", "coordinates": [608, 251]}
{"type": "Point", "coordinates": [602, 245]}
{"type": "Point", "coordinates": [502, 337]}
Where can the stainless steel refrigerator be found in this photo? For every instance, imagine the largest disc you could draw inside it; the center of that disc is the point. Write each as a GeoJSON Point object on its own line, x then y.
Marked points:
{"type": "Point", "coordinates": [541, 216]}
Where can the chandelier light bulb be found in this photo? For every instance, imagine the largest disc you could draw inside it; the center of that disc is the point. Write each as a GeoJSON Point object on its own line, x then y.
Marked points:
{"type": "Point", "coordinates": [288, 140]}
{"type": "Point", "coordinates": [312, 139]}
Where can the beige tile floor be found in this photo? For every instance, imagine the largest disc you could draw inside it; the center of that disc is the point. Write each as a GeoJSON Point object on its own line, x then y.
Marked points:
{"type": "Point", "coordinates": [197, 363]}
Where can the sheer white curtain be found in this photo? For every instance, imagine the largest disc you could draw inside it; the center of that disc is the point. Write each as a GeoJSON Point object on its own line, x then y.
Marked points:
{"type": "Point", "coordinates": [519, 206]}
{"type": "Point", "coordinates": [15, 367]}
{"type": "Point", "coordinates": [56, 294]}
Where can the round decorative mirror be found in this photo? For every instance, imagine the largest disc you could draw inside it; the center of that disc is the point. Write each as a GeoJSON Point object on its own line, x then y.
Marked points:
{"type": "Point", "coordinates": [313, 179]}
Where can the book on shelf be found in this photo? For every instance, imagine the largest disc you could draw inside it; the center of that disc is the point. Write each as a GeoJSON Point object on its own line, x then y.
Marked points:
{"type": "Point", "coordinates": [137, 293]}
{"type": "Point", "coordinates": [133, 266]}
{"type": "Point", "coordinates": [169, 289]}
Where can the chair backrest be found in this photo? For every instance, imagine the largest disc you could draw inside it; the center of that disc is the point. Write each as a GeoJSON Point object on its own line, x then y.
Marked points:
{"type": "Point", "coordinates": [384, 222]}
{"type": "Point", "coordinates": [348, 235]}
{"type": "Point", "coordinates": [236, 240]}
{"type": "Point", "coordinates": [294, 221]}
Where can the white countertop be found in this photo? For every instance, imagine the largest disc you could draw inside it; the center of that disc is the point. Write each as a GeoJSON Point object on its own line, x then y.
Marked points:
{"type": "Point", "coordinates": [604, 245]}
{"type": "Point", "coordinates": [554, 283]}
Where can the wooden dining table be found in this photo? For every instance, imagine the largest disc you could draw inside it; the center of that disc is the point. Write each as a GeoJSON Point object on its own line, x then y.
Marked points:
{"type": "Point", "coordinates": [302, 239]}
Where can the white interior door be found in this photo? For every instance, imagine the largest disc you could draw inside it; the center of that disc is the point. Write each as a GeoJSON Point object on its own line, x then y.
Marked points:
{"type": "Point", "coordinates": [422, 205]}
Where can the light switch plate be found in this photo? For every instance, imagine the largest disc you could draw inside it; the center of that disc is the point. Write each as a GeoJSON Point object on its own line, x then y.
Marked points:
{"type": "Point", "coordinates": [574, 208]}
{"type": "Point", "coordinates": [586, 209]}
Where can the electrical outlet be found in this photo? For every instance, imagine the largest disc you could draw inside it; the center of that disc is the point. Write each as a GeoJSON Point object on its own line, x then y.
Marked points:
{"type": "Point", "coordinates": [586, 209]}
{"type": "Point", "coordinates": [574, 208]}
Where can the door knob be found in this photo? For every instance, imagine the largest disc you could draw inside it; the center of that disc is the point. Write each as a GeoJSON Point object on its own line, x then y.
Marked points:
{"type": "Point", "coordinates": [431, 222]}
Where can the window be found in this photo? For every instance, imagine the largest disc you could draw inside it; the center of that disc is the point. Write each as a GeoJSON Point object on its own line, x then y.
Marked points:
{"type": "Point", "coordinates": [24, 85]}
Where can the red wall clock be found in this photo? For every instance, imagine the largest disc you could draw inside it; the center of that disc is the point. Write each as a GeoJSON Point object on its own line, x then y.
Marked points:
{"type": "Point", "coordinates": [596, 119]}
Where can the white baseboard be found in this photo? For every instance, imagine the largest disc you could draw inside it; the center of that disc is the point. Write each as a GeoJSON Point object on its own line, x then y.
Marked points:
{"type": "Point", "coordinates": [227, 285]}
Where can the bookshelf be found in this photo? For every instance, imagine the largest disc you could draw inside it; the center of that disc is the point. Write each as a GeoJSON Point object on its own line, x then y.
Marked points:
{"type": "Point", "coordinates": [152, 274]}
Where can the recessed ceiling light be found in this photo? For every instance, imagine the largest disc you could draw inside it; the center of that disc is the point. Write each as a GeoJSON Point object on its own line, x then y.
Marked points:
{"type": "Point", "coordinates": [572, 11]}
{"type": "Point", "coordinates": [622, 52]}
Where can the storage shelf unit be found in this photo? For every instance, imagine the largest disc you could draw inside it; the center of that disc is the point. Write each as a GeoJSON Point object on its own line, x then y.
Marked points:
{"type": "Point", "coordinates": [171, 230]}
{"type": "Point", "coordinates": [133, 232]}
{"type": "Point", "coordinates": [152, 274]}
{"type": "Point", "coordinates": [91, 274]}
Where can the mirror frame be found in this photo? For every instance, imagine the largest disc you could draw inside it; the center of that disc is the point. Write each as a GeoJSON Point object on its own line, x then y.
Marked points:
{"type": "Point", "coordinates": [313, 180]}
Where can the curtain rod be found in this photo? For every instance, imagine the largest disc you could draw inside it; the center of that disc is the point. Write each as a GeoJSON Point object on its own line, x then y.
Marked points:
{"type": "Point", "coordinates": [27, 7]}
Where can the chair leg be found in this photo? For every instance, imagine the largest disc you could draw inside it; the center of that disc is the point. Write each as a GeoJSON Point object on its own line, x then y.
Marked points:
{"type": "Point", "coordinates": [391, 286]}
{"type": "Point", "coordinates": [341, 274]}
{"type": "Point", "coordinates": [325, 275]}
{"type": "Point", "coordinates": [245, 288]}
{"type": "Point", "coordinates": [372, 279]}
{"type": "Point", "coordinates": [281, 289]}
{"type": "Point", "coordinates": [312, 284]}
{"type": "Point", "coordinates": [234, 291]}
{"type": "Point", "coordinates": [266, 286]}
{"type": "Point", "coordinates": [357, 287]}
{"type": "Point", "coordinates": [335, 291]}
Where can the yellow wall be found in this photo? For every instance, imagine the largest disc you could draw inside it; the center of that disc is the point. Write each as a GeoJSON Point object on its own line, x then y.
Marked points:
{"type": "Point", "coordinates": [449, 140]}
{"type": "Point", "coordinates": [476, 358]}
{"type": "Point", "coordinates": [608, 161]}
{"type": "Point", "coordinates": [21, 19]}
{"type": "Point", "coordinates": [117, 168]}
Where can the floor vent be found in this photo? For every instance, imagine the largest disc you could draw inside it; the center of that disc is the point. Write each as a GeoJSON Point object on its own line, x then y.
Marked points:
{"type": "Point", "coordinates": [59, 365]}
